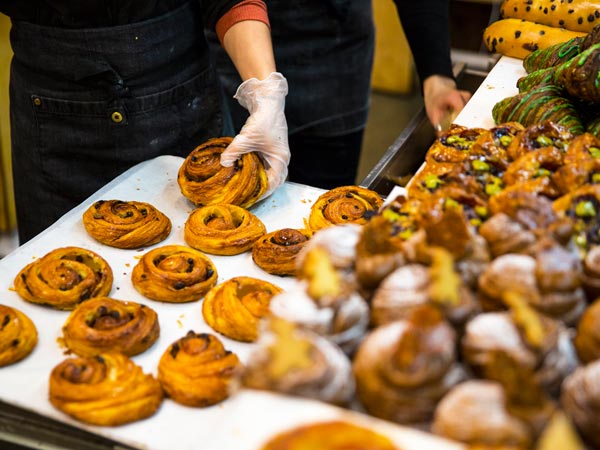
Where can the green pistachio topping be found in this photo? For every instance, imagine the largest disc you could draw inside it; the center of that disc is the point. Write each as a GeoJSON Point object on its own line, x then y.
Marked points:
{"type": "Point", "coordinates": [481, 211]}
{"type": "Point", "coordinates": [595, 152]}
{"type": "Point", "coordinates": [541, 172]}
{"type": "Point", "coordinates": [505, 140]}
{"type": "Point", "coordinates": [544, 141]}
{"type": "Point", "coordinates": [481, 166]}
{"type": "Point", "coordinates": [432, 181]}
{"type": "Point", "coordinates": [585, 209]}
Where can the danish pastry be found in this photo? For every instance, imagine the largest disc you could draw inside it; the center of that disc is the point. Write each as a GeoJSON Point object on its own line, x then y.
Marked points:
{"type": "Point", "coordinates": [204, 181]}
{"type": "Point", "coordinates": [18, 335]}
{"type": "Point", "coordinates": [174, 274]}
{"type": "Point", "coordinates": [235, 307]}
{"type": "Point", "coordinates": [103, 324]}
{"type": "Point", "coordinates": [196, 370]}
{"type": "Point", "coordinates": [342, 205]}
{"type": "Point", "coordinates": [276, 252]}
{"type": "Point", "coordinates": [222, 229]}
{"type": "Point", "coordinates": [106, 390]}
{"type": "Point", "coordinates": [587, 339]}
{"type": "Point", "coordinates": [64, 278]}
{"type": "Point", "coordinates": [335, 435]}
{"type": "Point", "coordinates": [128, 224]}
{"type": "Point", "coordinates": [454, 145]}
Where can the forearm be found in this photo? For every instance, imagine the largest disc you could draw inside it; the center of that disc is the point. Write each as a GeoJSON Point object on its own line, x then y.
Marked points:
{"type": "Point", "coordinates": [248, 44]}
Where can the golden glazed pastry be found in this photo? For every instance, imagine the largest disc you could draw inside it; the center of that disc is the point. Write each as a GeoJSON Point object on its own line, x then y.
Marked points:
{"type": "Point", "coordinates": [295, 361]}
{"type": "Point", "coordinates": [196, 370]}
{"type": "Point", "coordinates": [587, 339]}
{"type": "Point", "coordinates": [126, 224]}
{"type": "Point", "coordinates": [276, 252]}
{"type": "Point", "coordinates": [534, 137]}
{"type": "Point", "coordinates": [342, 205]}
{"type": "Point", "coordinates": [107, 390]}
{"type": "Point", "coordinates": [204, 181]}
{"type": "Point", "coordinates": [174, 274]}
{"type": "Point", "coordinates": [534, 171]}
{"type": "Point", "coordinates": [404, 368]}
{"type": "Point", "coordinates": [454, 145]}
{"type": "Point", "coordinates": [64, 278]}
{"type": "Point", "coordinates": [335, 435]}
{"type": "Point", "coordinates": [223, 229]}
{"type": "Point", "coordinates": [235, 307]}
{"type": "Point", "coordinates": [590, 275]}
{"type": "Point", "coordinates": [103, 324]}
{"type": "Point", "coordinates": [18, 335]}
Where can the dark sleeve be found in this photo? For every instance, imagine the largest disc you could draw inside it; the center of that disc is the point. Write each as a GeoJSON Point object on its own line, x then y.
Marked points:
{"type": "Point", "coordinates": [426, 25]}
{"type": "Point", "coordinates": [213, 10]}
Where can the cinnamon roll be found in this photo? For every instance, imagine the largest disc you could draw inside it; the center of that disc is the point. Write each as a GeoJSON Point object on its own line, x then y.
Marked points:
{"type": "Point", "coordinates": [64, 278]}
{"type": "Point", "coordinates": [204, 181]}
{"type": "Point", "coordinates": [342, 205]}
{"type": "Point", "coordinates": [295, 361]}
{"type": "Point", "coordinates": [106, 390]}
{"type": "Point", "coordinates": [196, 370]}
{"type": "Point", "coordinates": [174, 274]}
{"type": "Point", "coordinates": [103, 325]}
{"type": "Point", "coordinates": [18, 335]}
{"type": "Point", "coordinates": [126, 224]}
{"type": "Point", "coordinates": [334, 435]}
{"type": "Point", "coordinates": [276, 252]}
{"type": "Point", "coordinates": [235, 307]}
{"type": "Point", "coordinates": [222, 229]}
{"type": "Point", "coordinates": [404, 368]}
{"type": "Point", "coordinates": [587, 339]}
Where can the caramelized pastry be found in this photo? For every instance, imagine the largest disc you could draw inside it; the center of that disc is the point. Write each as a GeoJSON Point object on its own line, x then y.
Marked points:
{"type": "Point", "coordinates": [174, 274]}
{"type": "Point", "coordinates": [196, 370]}
{"type": "Point", "coordinates": [103, 325]}
{"type": "Point", "coordinates": [64, 278]}
{"type": "Point", "coordinates": [404, 368]}
{"type": "Point", "coordinates": [587, 339]}
{"type": "Point", "coordinates": [505, 235]}
{"type": "Point", "coordinates": [585, 147]}
{"type": "Point", "coordinates": [106, 390]}
{"type": "Point", "coordinates": [344, 204]}
{"type": "Point", "coordinates": [580, 398]}
{"type": "Point", "coordinates": [222, 229]}
{"type": "Point", "coordinates": [204, 181]}
{"type": "Point", "coordinates": [540, 135]}
{"type": "Point", "coordinates": [590, 275]}
{"type": "Point", "coordinates": [454, 145]}
{"type": "Point", "coordinates": [491, 145]}
{"type": "Point", "coordinates": [18, 335]}
{"type": "Point", "coordinates": [534, 171]}
{"type": "Point", "coordinates": [579, 75]}
{"type": "Point", "coordinates": [126, 224]}
{"type": "Point", "coordinates": [276, 252]}
{"type": "Point", "coordinates": [295, 361]}
{"type": "Point", "coordinates": [335, 435]}
{"type": "Point", "coordinates": [235, 307]}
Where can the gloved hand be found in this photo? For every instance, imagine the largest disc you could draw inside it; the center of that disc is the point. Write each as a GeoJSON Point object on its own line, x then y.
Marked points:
{"type": "Point", "coordinates": [443, 101]}
{"type": "Point", "coordinates": [266, 130]}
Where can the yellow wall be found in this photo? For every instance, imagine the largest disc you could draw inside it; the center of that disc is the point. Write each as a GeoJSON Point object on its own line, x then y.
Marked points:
{"type": "Point", "coordinates": [393, 68]}
{"type": "Point", "coordinates": [7, 213]}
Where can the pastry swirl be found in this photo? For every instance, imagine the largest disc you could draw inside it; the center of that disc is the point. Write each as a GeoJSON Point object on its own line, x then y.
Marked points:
{"type": "Point", "coordinates": [103, 325]}
{"type": "Point", "coordinates": [126, 224]}
{"type": "Point", "coordinates": [222, 229]}
{"type": "Point", "coordinates": [204, 181]}
{"type": "Point", "coordinates": [18, 335]}
{"type": "Point", "coordinates": [342, 205]}
{"type": "Point", "coordinates": [196, 370]}
{"type": "Point", "coordinates": [276, 252]}
{"type": "Point", "coordinates": [174, 273]}
{"type": "Point", "coordinates": [334, 435]}
{"type": "Point", "coordinates": [235, 307]}
{"type": "Point", "coordinates": [107, 390]}
{"type": "Point", "coordinates": [64, 278]}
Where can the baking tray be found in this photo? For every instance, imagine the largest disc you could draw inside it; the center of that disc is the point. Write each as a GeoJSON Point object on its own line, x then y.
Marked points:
{"type": "Point", "coordinates": [242, 422]}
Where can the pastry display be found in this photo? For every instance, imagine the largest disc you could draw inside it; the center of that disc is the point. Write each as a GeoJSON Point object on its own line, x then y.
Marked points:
{"type": "Point", "coordinates": [18, 335]}
{"type": "Point", "coordinates": [204, 181]}
{"type": "Point", "coordinates": [587, 339]}
{"type": "Point", "coordinates": [344, 204]}
{"type": "Point", "coordinates": [295, 361]}
{"type": "Point", "coordinates": [126, 224]}
{"type": "Point", "coordinates": [276, 252]}
{"type": "Point", "coordinates": [174, 273]}
{"type": "Point", "coordinates": [235, 307]}
{"type": "Point", "coordinates": [222, 229]}
{"type": "Point", "coordinates": [580, 399]}
{"type": "Point", "coordinates": [196, 370]}
{"type": "Point", "coordinates": [104, 325]}
{"type": "Point", "coordinates": [334, 435]}
{"type": "Point", "coordinates": [404, 368]}
{"type": "Point", "coordinates": [106, 390]}
{"type": "Point", "coordinates": [65, 277]}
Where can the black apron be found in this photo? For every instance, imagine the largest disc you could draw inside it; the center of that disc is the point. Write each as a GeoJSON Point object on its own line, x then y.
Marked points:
{"type": "Point", "coordinates": [87, 104]}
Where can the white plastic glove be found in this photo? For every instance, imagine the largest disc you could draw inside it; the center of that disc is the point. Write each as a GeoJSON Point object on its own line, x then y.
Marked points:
{"type": "Point", "coordinates": [265, 131]}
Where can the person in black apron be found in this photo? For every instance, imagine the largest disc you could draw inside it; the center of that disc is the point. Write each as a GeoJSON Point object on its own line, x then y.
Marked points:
{"type": "Point", "coordinates": [97, 87]}
{"type": "Point", "coordinates": [325, 48]}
